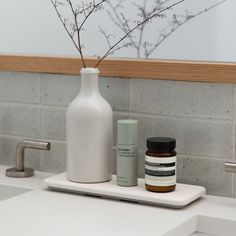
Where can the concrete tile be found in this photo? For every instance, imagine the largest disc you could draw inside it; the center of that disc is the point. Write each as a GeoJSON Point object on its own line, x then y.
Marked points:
{"type": "Point", "coordinates": [19, 119]}
{"type": "Point", "coordinates": [20, 87]}
{"type": "Point", "coordinates": [8, 153]}
{"type": "Point", "coordinates": [205, 172]}
{"type": "Point", "coordinates": [53, 123]}
{"type": "Point", "coordinates": [116, 92]}
{"type": "Point", "coordinates": [202, 138]}
{"type": "Point", "coordinates": [175, 98]}
{"type": "Point", "coordinates": [60, 90]}
{"type": "Point", "coordinates": [54, 161]}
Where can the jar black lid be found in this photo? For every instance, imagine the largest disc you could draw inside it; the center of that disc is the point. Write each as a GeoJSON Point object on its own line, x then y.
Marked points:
{"type": "Point", "coordinates": [161, 143]}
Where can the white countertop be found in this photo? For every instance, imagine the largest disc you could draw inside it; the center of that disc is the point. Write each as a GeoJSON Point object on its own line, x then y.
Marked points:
{"type": "Point", "coordinates": [42, 213]}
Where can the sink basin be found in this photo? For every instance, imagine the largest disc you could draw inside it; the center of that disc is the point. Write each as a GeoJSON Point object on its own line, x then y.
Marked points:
{"type": "Point", "coordinates": [205, 226]}
{"type": "Point", "coordinates": [7, 191]}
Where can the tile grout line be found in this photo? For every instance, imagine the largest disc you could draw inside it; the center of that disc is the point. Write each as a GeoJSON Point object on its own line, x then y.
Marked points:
{"type": "Point", "coordinates": [183, 118]}
{"type": "Point", "coordinates": [194, 156]}
{"type": "Point", "coordinates": [166, 116]}
{"type": "Point", "coordinates": [24, 137]}
{"type": "Point", "coordinates": [19, 104]}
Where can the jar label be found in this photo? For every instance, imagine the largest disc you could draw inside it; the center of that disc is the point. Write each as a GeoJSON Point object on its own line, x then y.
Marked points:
{"type": "Point", "coordinates": [160, 171]}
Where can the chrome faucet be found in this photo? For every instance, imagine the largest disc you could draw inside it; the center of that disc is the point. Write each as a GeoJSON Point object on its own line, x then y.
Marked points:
{"type": "Point", "coordinates": [230, 166]}
{"type": "Point", "coordinates": [20, 170]}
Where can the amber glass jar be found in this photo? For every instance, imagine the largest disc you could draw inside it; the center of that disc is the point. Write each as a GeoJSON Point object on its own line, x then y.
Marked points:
{"type": "Point", "coordinates": [160, 164]}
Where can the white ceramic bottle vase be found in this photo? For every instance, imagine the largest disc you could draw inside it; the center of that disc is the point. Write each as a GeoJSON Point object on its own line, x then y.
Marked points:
{"type": "Point", "coordinates": [89, 126]}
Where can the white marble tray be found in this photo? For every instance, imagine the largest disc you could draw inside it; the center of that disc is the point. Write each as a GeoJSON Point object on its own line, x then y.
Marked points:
{"type": "Point", "coordinates": [182, 196]}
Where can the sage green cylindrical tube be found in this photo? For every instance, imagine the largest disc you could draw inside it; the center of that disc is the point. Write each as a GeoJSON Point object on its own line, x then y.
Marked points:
{"type": "Point", "coordinates": [127, 153]}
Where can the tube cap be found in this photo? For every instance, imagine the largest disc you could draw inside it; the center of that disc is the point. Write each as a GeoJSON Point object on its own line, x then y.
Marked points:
{"type": "Point", "coordinates": [127, 132]}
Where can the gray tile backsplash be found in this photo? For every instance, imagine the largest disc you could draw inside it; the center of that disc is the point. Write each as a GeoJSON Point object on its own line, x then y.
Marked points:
{"type": "Point", "coordinates": [54, 160]}
{"type": "Point", "coordinates": [194, 137]}
{"type": "Point", "coordinates": [60, 90]}
{"type": "Point", "coordinates": [201, 116]}
{"type": "Point", "coordinates": [53, 124]}
{"type": "Point", "coordinates": [182, 98]}
{"type": "Point", "coordinates": [207, 172]}
{"type": "Point", "coordinates": [20, 119]}
{"type": "Point", "coordinates": [116, 91]}
{"type": "Point", "coordinates": [20, 87]}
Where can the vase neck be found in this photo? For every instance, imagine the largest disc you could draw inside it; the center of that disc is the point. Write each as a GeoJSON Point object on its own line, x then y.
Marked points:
{"type": "Point", "coordinates": [89, 81]}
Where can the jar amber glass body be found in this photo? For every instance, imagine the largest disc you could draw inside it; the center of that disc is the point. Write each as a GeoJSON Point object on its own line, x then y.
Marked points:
{"type": "Point", "coordinates": [164, 152]}
{"type": "Point", "coordinates": [160, 188]}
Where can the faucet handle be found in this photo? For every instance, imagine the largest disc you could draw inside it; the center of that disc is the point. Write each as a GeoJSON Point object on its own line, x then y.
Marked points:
{"type": "Point", "coordinates": [20, 171]}
{"type": "Point", "coordinates": [230, 166]}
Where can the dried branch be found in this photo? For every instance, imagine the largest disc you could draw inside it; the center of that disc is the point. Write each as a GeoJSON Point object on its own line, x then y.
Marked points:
{"type": "Point", "coordinates": [84, 9]}
{"type": "Point", "coordinates": [124, 45]}
{"type": "Point", "coordinates": [155, 15]}
{"type": "Point", "coordinates": [95, 6]}
{"type": "Point", "coordinates": [176, 24]}
{"type": "Point", "coordinates": [144, 14]}
{"type": "Point", "coordinates": [82, 12]}
{"type": "Point", "coordinates": [119, 22]}
{"type": "Point", "coordinates": [78, 46]}
{"type": "Point", "coordinates": [77, 29]}
{"type": "Point", "coordinates": [107, 36]}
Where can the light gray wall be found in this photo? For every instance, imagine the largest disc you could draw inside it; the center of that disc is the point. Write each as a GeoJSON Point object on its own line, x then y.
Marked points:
{"type": "Point", "coordinates": [208, 37]}
{"type": "Point", "coordinates": [201, 116]}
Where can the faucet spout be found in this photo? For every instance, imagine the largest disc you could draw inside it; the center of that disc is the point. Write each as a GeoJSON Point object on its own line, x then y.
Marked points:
{"type": "Point", "coordinates": [32, 144]}
{"type": "Point", "coordinates": [230, 166]}
{"type": "Point", "coordinates": [20, 171]}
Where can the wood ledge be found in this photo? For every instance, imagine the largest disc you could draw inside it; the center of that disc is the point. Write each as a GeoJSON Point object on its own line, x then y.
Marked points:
{"type": "Point", "coordinates": [126, 68]}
